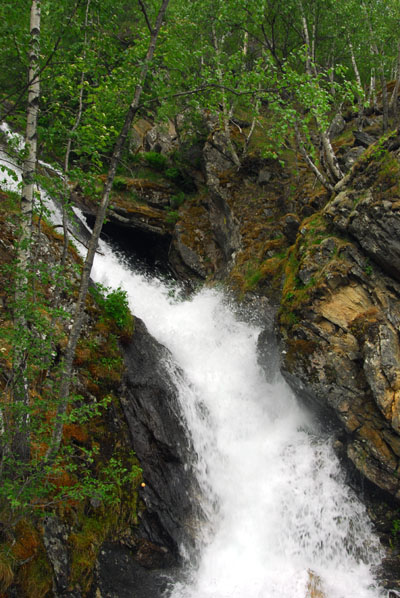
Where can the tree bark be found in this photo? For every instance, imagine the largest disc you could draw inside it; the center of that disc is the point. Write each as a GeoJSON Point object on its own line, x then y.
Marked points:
{"type": "Point", "coordinates": [87, 267]}
{"type": "Point", "coordinates": [359, 83]}
{"type": "Point", "coordinates": [20, 381]}
{"type": "Point", "coordinates": [322, 179]}
{"type": "Point", "coordinates": [393, 104]}
{"type": "Point", "coordinates": [226, 114]}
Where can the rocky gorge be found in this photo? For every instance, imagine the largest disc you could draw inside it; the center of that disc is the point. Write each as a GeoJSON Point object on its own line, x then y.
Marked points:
{"type": "Point", "coordinates": [325, 266]}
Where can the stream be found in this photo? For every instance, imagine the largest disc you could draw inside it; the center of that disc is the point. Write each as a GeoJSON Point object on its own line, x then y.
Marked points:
{"type": "Point", "coordinates": [280, 521]}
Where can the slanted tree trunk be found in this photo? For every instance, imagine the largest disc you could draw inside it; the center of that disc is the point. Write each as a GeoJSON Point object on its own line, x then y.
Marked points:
{"type": "Point", "coordinates": [309, 161]}
{"type": "Point", "coordinates": [329, 155]}
{"type": "Point", "coordinates": [20, 383]}
{"type": "Point", "coordinates": [359, 83]}
{"type": "Point", "coordinates": [87, 267]}
{"type": "Point", "coordinates": [226, 112]}
{"type": "Point", "coordinates": [393, 104]}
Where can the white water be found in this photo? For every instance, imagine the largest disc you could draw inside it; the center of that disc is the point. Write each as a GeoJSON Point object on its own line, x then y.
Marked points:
{"type": "Point", "coordinates": [279, 512]}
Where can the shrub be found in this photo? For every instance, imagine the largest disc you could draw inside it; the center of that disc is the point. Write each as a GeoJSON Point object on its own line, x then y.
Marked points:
{"type": "Point", "coordinates": [172, 173]}
{"type": "Point", "coordinates": [114, 303]}
{"type": "Point", "coordinates": [119, 184]}
{"type": "Point", "coordinates": [156, 160]}
{"type": "Point", "coordinates": [177, 200]}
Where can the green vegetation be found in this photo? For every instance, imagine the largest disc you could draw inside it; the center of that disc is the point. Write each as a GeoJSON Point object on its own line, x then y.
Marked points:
{"type": "Point", "coordinates": [156, 160]}
{"type": "Point", "coordinates": [259, 75]}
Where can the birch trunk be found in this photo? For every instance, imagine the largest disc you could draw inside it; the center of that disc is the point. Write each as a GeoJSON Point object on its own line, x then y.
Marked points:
{"type": "Point", "coordinates": [359, 83]}
{"type": "Point", "coordinates": [395, 95]}
{"type": "Point", "coordinates": [21, 390]}
{"type": "Point", "coordinates": [372, 90]}
{"type": "Point", "coordinates": [87, 267]}
{"type": "Point", "coordinates": [311, 164]}
{"type": "Point", "coordinates": [226, 114]}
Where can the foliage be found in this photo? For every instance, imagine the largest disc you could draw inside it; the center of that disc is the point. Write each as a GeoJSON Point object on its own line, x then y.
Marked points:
{"type": "Point", "coordinates": [156, 160]}
{"type": "Point", "coordinates": [177, 200]}
{"type": "Point", "coordinates": [114, 303]}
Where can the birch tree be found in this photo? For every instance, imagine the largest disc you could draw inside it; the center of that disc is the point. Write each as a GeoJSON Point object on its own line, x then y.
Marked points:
{"type": "Point", "coordinates": [20, 442]}
{"type": "Point", "coordinates": [87, 267]}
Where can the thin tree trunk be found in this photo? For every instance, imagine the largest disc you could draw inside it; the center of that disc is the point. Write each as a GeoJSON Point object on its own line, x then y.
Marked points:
{"type": "Point", "coordinates": [330, 157]}
{"type": "Point", "coordinates": [65, 195]}
{"type": "Point", "coordinates": [385, 100]}
{"type": "Point", "coordinates": [310, 46]}
{"type": "Point", "coordinates": [226, 114]}
{"type": "Point", "coordinates": [359, 83]}
{"type": "Point", "coordinates": [69, 143]}
{"type": "Point", "coordinates": [393, 104]}
{"type": "Point", "coordinates": [322, 179]}
{"type": "Point", "coordinates": [87, 267]}
{"type": "Point", "coordinates": [372, 89]}
{"type": "Point", "coordinates": [375, 51]}
{"type": "Point", "coordinates": [21, 391]}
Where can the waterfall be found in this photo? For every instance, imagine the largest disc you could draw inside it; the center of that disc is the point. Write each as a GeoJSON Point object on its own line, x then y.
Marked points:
{"type": "Point", "coordinates": [280, 519]}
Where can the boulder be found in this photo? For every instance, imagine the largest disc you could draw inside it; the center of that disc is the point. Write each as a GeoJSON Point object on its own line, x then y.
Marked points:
{"type": "Point", "coordinates": [337, 126]}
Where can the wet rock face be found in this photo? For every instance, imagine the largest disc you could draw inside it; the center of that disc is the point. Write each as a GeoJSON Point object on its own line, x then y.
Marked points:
{"type": "Point", "coordinates": [119, 576]}
{"type": "Point", "coordinates": [225, 228]}
{"type": "Point", "coordinates": [375, 224]}
{"type": "Point", "coordinates": [340, 316]}
{"type": "Point", "coordinates": [341, 349]}
{"type": "Point", "coordinates": [159, 438]}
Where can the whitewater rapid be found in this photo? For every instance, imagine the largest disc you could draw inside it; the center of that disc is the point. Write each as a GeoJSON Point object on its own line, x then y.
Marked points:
{"type": "Point", "coordinates": [281, 520]}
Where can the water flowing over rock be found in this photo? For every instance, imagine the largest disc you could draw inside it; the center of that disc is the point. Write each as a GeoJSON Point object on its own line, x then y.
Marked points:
{"type": "Point", "coordinates": [149, 399]}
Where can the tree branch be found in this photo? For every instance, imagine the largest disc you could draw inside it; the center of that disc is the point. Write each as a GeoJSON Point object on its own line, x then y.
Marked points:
{"type": "Point", "coordinates": [146, 17]}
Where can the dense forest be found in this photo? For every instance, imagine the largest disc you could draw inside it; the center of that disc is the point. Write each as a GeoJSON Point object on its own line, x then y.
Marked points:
{"type": "Point", "coordinates": [84, 81]}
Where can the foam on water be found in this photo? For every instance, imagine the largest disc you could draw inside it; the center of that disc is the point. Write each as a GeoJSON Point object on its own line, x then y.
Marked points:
{"type": "Point", "coordinates": [280, 517]}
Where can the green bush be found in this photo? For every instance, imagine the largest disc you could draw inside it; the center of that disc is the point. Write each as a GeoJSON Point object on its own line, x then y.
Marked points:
{"type": "Point", "coordinates": [172, 173]}
{"type": "Point", "coordinates": [177, 200]}
{"type": "Point", "coordinates": [119, 184]}
{"type": "Point", "coordinates": [156, 160]}
{"type": "Point", "coordinates": [172, 217]}
{"type": "Point", "coordinates": [114, 303]}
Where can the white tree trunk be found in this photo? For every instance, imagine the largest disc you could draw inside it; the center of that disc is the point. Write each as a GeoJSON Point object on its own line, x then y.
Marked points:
{"type": "Point", "coordinates": [359, 83]}
{"type": "Point", "coordinates": [395, 95]}
{"type": "Point", "coordinates": [21, 390]}
{"type": "Point", "coordinates": [311, 164]}
{"type": "Point", "coordinates": [226, 114]}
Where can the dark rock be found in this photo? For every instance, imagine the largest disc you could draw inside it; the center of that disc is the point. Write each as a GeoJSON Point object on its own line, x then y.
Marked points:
{"type": "Point", "coordinates": [264, 176]}
{"type": "Point", "coordinates": [351, 156]}
{"type": "Point", "coordinates": [363, 138]}
{"type": "Point", "coordinates": [374, 223]}
{"type": "Point", "coordinates": [290, 227]}
{"type": "Point", "coordinates": [337, 126]}
{"type": "Point", "coordinates": [343, 353]}
{"type": "Point", "coordinates": [161, 139]}
{"type": "Point", "coordinates": [183, 258]}
{"type": "Point", "coordinates": [55, 538]}
{"type": "Point", "coordinates": [159, 437]}
{"type": "Point", "coordinates": [225, 228]}
{"type": "Point", "coordinates": [119, 576]}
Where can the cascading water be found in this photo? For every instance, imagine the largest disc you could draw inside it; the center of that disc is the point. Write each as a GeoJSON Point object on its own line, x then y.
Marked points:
{"type": "Point", "coordinates": [281, 521]}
